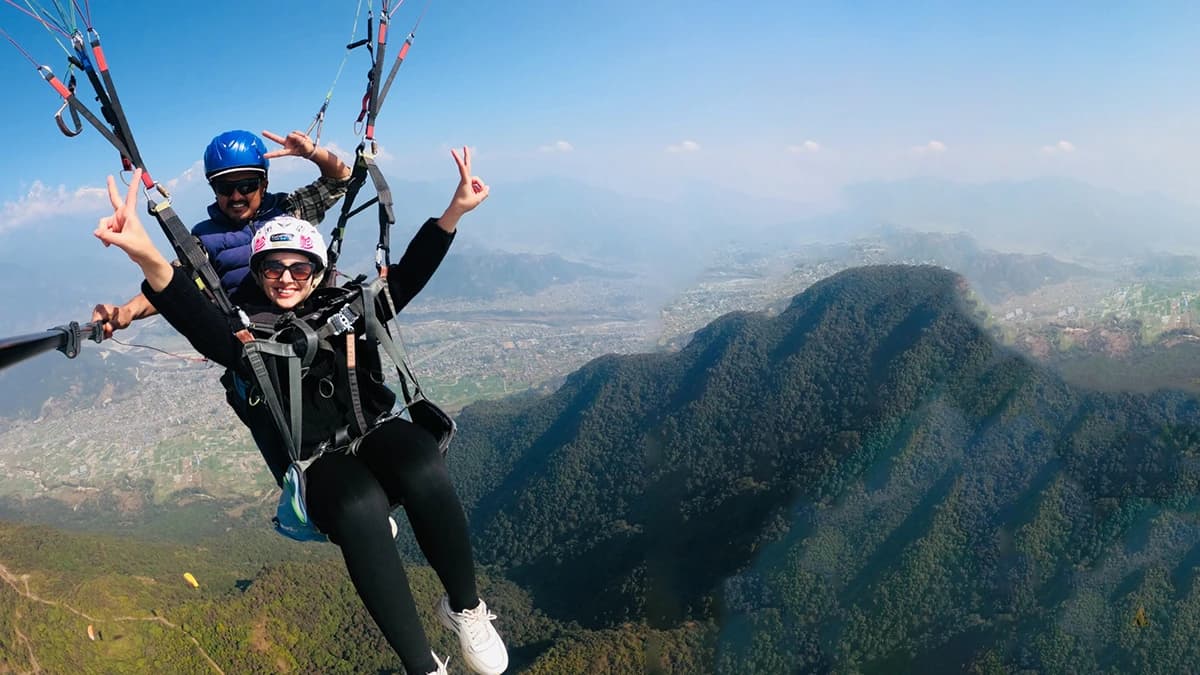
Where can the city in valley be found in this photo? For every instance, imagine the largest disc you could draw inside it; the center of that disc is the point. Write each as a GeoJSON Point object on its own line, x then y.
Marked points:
{"type": "Point", "coordinates": [167, 430]}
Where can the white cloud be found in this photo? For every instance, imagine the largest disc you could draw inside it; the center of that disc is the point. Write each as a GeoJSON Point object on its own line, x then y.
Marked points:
{"type": "Point", "coordinates": [805, 147]}
{"type": "Point", "coordinates": [684, 146]}
{"type": "Point", "coordinates": [42, 202]}
{"type": "Point", "coordinates": [930, 148]}
{"type": "Point", "coordinates": [190, 175]}
{"type": "Point", "coordinates": [1061, 147]}
{"type": "Point", "coordinates": [557, 146]}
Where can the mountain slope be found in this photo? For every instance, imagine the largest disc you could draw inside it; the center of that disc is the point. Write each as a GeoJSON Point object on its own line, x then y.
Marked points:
{"type": "Point", "coordinates": [864, 481]}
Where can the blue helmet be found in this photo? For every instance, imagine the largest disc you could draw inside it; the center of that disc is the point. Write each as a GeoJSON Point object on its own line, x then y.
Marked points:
{"type": "Point", "coordinates": [234, 151]}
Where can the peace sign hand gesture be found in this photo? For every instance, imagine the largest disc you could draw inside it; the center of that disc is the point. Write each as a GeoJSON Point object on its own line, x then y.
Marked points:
{"type": "Point", "coordinates": [297, 144]}
{"type": "Point", "coordinates": [123, 227]}
{"type": "Point", "coordinates": [470, 193]}
{"type": "Point", "coordinates": [124, 230]}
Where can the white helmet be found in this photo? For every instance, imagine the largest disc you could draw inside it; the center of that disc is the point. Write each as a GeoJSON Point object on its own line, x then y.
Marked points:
{"type": "Point", "coordinates": [287, 233]}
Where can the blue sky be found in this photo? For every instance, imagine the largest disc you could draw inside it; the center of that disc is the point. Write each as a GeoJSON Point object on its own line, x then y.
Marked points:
{"type": "Point", "coordinates": [781, 99]}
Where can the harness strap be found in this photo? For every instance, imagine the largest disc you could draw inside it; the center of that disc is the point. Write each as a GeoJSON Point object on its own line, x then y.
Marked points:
{"type": "Point", "coordinates": [358, 177]}
{"type": "Point", "coordinates": [254, 349]}
{"type": "Point", "coordinates": [407, 371]}
{"type": "Point", "coordinates": [366, 305]}
{"type": "Point", "coordinates": [190, 252]}
{"type": "Point", "coordinates": [132, 158]}
{"type": "Point", "coordinates": [122, 140]}
{"type": "Point", "coordinates": [377, 331]}
{"type": "Point", "coordinates": [310, 339]}
{"type": "Point", "coordinates": [387, 216]}
{"type": "Point", "coordinates": [376, 70]}
{"type": "Point", "coordinates": [403, 53]}
{"type": "Point", "coordinates": [413, 402]}
{"type": "Point", "coordinates": [352, 377]}
{"type": "Point", "coordinates": [364, 166]}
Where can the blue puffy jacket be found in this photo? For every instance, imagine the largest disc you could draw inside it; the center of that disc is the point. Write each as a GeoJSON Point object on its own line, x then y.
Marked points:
{"type": "Point", "coordinates": [228, 242]}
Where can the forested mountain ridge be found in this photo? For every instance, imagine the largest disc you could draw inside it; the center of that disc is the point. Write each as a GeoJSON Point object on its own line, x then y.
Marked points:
{"type": "Point", "coordinates": [865, 480]}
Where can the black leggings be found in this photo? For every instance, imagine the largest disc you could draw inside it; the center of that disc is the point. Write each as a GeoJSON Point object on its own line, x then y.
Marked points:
{"type": "Point", "coordinates": [349, 498]}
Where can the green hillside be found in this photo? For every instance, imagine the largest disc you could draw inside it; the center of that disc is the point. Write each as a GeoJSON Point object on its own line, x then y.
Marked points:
{"type": "Point", "coordinates": [864, 482]}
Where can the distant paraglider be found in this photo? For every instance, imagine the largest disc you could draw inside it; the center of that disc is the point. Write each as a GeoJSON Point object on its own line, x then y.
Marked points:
{"type": "Point", "coordinates": [91, 632]}
{"type": "Point", "coordinates": [187, 576]}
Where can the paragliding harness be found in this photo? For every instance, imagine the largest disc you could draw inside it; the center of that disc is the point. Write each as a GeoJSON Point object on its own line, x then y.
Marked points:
{"type": "Point", "coordinates": [350, 316]}
{"type": "Point", "coordinates": [349, 313]}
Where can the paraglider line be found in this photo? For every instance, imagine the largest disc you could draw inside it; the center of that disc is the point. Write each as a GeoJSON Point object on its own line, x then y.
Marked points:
{"type": "Point", "coordinates": [196, 359]}
{"type": "Point", "coordinates": [87, 16]}
{"type": "Point", "coordinates": [44, 22]}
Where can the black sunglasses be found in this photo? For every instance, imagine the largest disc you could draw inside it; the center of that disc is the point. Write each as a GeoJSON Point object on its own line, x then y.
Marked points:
{"type": "Point", "coordinates": [245, 186]}
{"type": "Point", "coordinates": [300, 271]}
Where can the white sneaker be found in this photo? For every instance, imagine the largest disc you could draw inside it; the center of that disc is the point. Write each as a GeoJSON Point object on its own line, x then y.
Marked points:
{"type": "Point", "coordinates": [441, 665]}
{"type": "Point", "coordinates": [483, 650]}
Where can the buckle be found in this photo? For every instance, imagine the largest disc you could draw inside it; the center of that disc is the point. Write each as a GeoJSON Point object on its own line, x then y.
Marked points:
{"type": "Point", "coordinates": [342, 321]}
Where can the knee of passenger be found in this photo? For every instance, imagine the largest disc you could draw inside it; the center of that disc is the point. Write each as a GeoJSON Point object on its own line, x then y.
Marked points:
{"type": "Point", "coordinates": [366, 508]}
{"type": "Point", "coordinates": [430, 476]}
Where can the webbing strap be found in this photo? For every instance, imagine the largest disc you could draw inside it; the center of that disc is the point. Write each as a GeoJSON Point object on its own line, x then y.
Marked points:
{"type": "Point", "coordinates": [358, 177]}
{"type": "Point", "coordinates": [387, 216]}
{"type": "Point", "coordinates": [378, 332]}
{"type": "Point", "coordinates": [294, 401]}
{"type": "Point", "coordinates": [396, 66]}
{"type": "Point", "coordinates": [190, 252]}
{"type": "Point", "coordinates": [310, 339]}
{"type": "Point", "coordinates": [373, 80]}
{"type": "Point", "coordinates": [121, 139]}
{"type": "Point", "coordinates": [352, 376]}
{"type": "Point", "coordinates": [181, 239]}
{"type": "Point", "coordinates": [391, 307]}
{"type": "Point", "coordinates": [81, 61]}
{"type": "Point", "coordinates": [133, 158]}
{"type": "Point", "coordinates": [253, 348]}
{"type": "Point", "coordinates": [364, 165]}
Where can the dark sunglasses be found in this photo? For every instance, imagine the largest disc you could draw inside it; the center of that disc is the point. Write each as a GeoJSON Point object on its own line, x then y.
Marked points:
{"type": "Point", "coordinates": [300, 271]}
{"type": "Point", "coordinates": [245, 187]}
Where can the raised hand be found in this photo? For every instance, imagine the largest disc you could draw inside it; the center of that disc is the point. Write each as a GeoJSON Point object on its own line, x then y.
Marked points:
{"type": "Point", "coordinates": [471, 189]}
{"type": "Point", "coordinates": [124, 230]}
{"type": "Point", "coordinates": [470, 193]}
{"type": "Point", "coordinates": [297, 144]}
{"type": "Point", "coordinates": [123, 227]}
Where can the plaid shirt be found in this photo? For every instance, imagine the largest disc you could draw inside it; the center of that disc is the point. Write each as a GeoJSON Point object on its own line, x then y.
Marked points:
{"type": "Point", "coordinates": [313, 200]}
